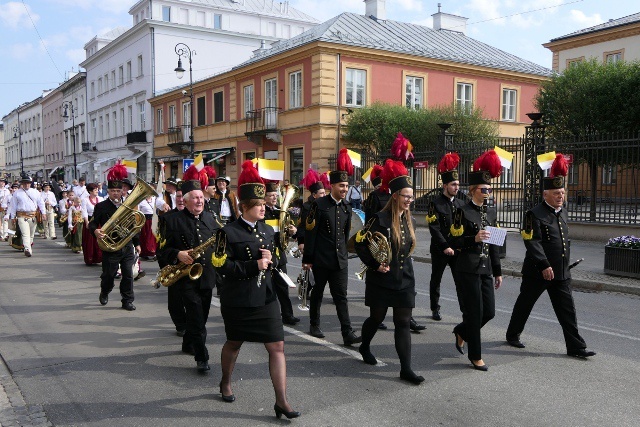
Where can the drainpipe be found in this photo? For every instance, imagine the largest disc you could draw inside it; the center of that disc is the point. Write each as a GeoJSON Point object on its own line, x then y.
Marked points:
{"type": "Point", "coordinates": [338, 118]}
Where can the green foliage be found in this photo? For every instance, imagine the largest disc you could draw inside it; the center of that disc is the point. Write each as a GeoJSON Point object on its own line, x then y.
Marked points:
{"type": "Point", "coordinates": [591, 97]}
{"type": "Point", "coordinates": [374, 128]}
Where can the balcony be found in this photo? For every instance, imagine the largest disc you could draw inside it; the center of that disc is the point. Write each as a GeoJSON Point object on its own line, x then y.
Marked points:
{"type": "Point", "coordinates": [179, 139]}
{"type": "Point", "coordinates": [136, 138]}
{"type": "Point", "coordinates": [263, 123]}
{"type": "Point", "coordinates": [87, 146]}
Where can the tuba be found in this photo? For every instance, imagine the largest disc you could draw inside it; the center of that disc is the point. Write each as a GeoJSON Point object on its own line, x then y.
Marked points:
{"type": "Point", "coordinates": [127, 220]}
{"type": "Point", "coordinates": [285, 221]}
{"type": "Point", "coordinates": [380, 249]}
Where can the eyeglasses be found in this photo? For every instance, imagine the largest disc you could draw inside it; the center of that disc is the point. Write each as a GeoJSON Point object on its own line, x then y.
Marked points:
{"type": "Point", "coordinates": [486, 190]}
{"type": "Point", "coordinates": [407, 197]}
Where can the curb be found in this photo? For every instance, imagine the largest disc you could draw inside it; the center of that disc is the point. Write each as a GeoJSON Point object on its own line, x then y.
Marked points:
{"type": "Point", "coordinates": [578, 283]}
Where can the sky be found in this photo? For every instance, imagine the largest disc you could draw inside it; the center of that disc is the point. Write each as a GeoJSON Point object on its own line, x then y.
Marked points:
{"type": "Point", "coordinates": [41, 41]}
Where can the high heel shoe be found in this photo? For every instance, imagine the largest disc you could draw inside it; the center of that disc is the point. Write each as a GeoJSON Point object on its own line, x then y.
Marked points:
{"type": "Point", "coordinates": [230, 398]}
{"type": "Point", "coordinates": [460, 348]}
{"type": "Point", "coordinates": [288, 414]}
{"type": "Point", "coordinates": [411, 377]}
{"type": "Point", "coordinates": [483, 368]}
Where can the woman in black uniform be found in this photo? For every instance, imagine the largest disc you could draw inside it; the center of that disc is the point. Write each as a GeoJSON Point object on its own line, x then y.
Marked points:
{"type": "Point", "coordinates": [391, 284]}
{"type": "Point", "coordinates": [247, 296]}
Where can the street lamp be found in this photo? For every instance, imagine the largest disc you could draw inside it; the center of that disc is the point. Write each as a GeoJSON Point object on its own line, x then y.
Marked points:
{"type": "Point", "coordinates": [17, 133]}
{"type": "Point", "coordinates": [182, 50]}
{"type": "Point", "coordinates": [68, 105]}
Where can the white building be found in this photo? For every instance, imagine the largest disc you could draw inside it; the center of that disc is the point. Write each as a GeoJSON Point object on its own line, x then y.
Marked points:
{"type": "Point", "coordinates": [2, 155]}
{"type": "Point", "coordinates": [74, 92]}
{"type": "Point", "coordinates": [125, 67]}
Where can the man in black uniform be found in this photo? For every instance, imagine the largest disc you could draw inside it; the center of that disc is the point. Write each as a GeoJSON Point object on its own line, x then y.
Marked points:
{"type": "Point", "coordinates": [315, 186]}
{"type": "Point", "coordinates": [272, 218]}
{"type": "Point", "coordinates": [179, 233]}
{"type": "Point", "coordinates": [122, 258]}
{"type": "Point", "coordinates": [546, 265]}
{"type": "Point", "coordinates": [378, 198]}
{"type": "Point", "coordinates": [325, 251]}
{"type": "Point", "coordinates": [440, 215]}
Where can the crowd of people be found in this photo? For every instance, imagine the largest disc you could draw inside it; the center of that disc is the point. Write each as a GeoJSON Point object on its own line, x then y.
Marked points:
{"type": "Point", "coordinates": [210, 237]}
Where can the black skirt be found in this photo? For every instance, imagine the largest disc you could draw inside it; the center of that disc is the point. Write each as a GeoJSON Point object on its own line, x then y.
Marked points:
{"type": "Point", "coordinates": [378, 296]}
{"type": "Point", "coordinates": [253, 324]}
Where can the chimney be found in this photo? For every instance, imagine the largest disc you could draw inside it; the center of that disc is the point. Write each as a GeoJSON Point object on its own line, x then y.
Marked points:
{"type": "Point", "coordinates": [376, 9]}
{"type": "Point", "coordinates": [446, 21]}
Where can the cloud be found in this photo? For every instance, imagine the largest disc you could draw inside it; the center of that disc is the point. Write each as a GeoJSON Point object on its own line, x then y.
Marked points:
{"type": "Point", "coordinates": [579, 17]}
{"type": "Point", "coordinates": [411, 5]}
{"type": "Point", "coordinates": [114, 6]}
{"type": "Point", "coordinates": [14, 15]}
{"type": "Point", "coordinates": [21, 51]}
{"type": "Point", "coordinates": [76, 55]}
{"type": "Point", "coordinates": [487, 10]}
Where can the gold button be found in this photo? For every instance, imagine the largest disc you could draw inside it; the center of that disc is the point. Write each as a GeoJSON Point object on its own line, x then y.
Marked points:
{"type": "Point", "coordinates": [261, 240]}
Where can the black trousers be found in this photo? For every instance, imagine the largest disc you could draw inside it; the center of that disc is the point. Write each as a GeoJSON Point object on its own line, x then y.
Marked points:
{"type": "Point", "coordinates": [176, 308]}
{"type": "Point", "coordinates": [197, 303]}
{"type": "Point", "coordinates": [111, 261]}
{"type": "Point", "coordinates": [338, 280]}
{"type": "Point", "coordinates": [479, 307]}
{"type": "Point", "coordinates": [439, 263]}
{"type": "Point", "coordinates": [282, 292]}
{"type": "Point", "coordinates": [562, 300]}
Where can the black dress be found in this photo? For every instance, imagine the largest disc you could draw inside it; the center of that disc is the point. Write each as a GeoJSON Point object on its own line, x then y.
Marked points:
{"type": "Point", "coordinates": [247, 298]}
{"type": "Point", "coordinates": [397, 287]}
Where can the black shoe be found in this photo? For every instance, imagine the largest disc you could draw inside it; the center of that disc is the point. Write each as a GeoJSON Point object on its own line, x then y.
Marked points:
{"type": "Point", "coordinates": [351, 338]}
{"type": "Point", "coordinates": [435, 315]}
{"type": "Point", "coordinates": [483, 368]}
{"type": "Point", "coordinates": [315, 331]}
{"type": "Point", "coordinates": [203, 366]}
{"type": "Point", "coordinates": [128, 306]}
{"type": "Point", "coordinates": [290, 320]}
{"type": "Point", "coordinates": [188, 349]}
{"type": "Point", "coordinates": [415, 327]}
{"type": "Point", "coordinates": [382, 327]}
{"type": "Point", "coordinates": [460, 348]}
{"type": "Point", "coordinates": [411, 377]}
{"type": "Point", "coordinates": [515, 343]}
{"type": "Point", "coordinates": [367, 356]}
{"type": "Point", "coordinates": [181, 332]}
{"type": "Point", "coordinates": [27, 253]}
{"type": "Point", "coordinates": [280, 412]}
{"type": "Point", "coordinates": [230, 398]}
{"type": "Point", "coordinates": [581, 353]}
{"type": "Point", "coordinates": [104, 299]}
{"type": "Point", "coordinates": [117, 276]}
{"type": "Point", "coordinates": [140, 275]}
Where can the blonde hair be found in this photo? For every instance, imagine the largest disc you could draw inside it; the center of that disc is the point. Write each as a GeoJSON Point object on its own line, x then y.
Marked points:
{"type": "Point", "coordinates": [393, 206]}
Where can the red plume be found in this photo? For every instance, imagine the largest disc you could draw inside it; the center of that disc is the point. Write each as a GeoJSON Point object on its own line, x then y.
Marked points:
{"type": "Point", "coordinates": [401, 149]}
{"type": "Point", "coordinates": [449, 162]}
{"type": "Point", "coordinates": [249, 174]}
{"type": "Point", "coordinates": [392, 169]}
{"type": "Point", "coordinates": [375, 172]}
{"type": "Point", "coordinates": [117, 172]}
{"type": "Point", "coordinates": [192, 174]}
{"type": "Point", "coordinates": [310, 178]}
{"type": "Point", "coordinates": [344, 162]}
{"type": "Point", "coordinates": [490, 162]}
{"type": "Point", "coordinates": [324, 179]}
{"type": "Point", "coordinates": [211, 172]}
{"type": "Point", "coordinates": [560, 167]}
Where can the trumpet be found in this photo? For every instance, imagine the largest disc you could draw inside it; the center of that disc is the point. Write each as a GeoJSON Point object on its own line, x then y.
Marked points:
{"type": "Point", "coordinates": [304, 290]}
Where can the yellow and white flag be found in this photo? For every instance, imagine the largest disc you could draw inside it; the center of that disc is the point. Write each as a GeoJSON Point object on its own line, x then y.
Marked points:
{"type": "Point", "coordinates": [366, 177]}
{"type": "Point", "coordinates": [271, 169]}
{"type": "Point", "coordinates": [273, 223]}
{"type": "Point", "coordinates": [355, 158]}
{"type": "Point", "coordinates": [199, 162]}
{"type": "Point", "coordinates": [546, 160]}
{"type": "Point", "coordinates": [506, 158]}
{"type": "Point", "coordinates": [131, 165]}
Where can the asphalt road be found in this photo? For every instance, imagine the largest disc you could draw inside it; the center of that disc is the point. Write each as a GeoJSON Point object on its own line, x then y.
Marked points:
{"type": "Point", "coordinates": [102, 366]}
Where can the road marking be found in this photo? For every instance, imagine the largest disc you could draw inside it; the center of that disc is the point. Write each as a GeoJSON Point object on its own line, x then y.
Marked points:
{"type": "Point", "coordinates": [356, 355]}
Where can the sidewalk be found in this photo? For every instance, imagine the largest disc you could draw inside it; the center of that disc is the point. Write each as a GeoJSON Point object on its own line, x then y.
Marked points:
{"type": "Point", "coordinates": [588, 275]}
{"type": "Point", "coordinates": [14, 411]}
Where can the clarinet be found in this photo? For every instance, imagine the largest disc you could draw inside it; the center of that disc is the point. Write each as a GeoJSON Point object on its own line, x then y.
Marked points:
{"type": "Point", "coordinates": [483, 224]}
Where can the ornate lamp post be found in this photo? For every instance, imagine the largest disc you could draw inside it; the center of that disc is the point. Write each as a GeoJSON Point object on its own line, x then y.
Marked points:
{"type": "Point", "coordinates": [182, 50]}
{"type": "Point", "coordinates": [68, 105]}
{"type": "Point", "coordinates": [17, 133]}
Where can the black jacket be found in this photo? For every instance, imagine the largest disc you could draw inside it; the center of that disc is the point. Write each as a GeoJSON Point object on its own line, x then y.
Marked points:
{"type": "Point", "coordinates": [469, 260]}
{"type": "Point", "coordinates": [439, 217]}
{"type": "Point", "coordinates": [400, 274]}
{"type": "Point", "coordinates": [327, 232]}
{"type": "Point", "coordinates": [241, 244]}
{"type": "Point", "coordinates": [180, 231]}
{"type": "Point", "coordinates": [304, 212]}
{"type": "Point", "coordinates": [375, 202]}
{"type": "Point", "coordinates": [549, 246]}
{"type": "Point", "coordinates": [102, 213]}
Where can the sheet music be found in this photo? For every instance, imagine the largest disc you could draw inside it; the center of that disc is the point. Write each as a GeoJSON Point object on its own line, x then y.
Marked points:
{"type": "Point", "coordinates": [497, 236]}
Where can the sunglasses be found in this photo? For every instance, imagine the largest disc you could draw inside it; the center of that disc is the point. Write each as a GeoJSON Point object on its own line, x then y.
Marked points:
{"type": "Point", "coordinates": [486, 190]}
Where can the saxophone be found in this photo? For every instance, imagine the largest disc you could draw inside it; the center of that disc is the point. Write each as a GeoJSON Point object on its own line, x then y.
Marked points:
{"type": "Point", "coordinates": [172, 273]}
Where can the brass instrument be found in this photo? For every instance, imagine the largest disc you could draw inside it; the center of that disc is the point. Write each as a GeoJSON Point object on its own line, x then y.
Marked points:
{"type": "Point", "coordinates": [127, 221]}
{"type": "Point", "coordinates": [380, 250]}
{"type": "Point", "coordinates": [76, 218]}
{"type": "Point", "coordinates": [304, 290]}
{"type": "Point", "coordinates": [285, 221]}
{"type": "Point", "coordinates": [170, 274]}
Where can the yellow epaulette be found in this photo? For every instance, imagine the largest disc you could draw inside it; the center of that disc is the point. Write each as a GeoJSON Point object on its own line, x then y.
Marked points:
{"type": "Point", "coordinates": [457, 229]}
{"type": "Point", "coordinates": [363, 233]}
{"type": "Point", "coordinates": [277, 252]}
{"type": "Point", "coordinates": [527, 230]}
{"type": "Point", "coordinates": [431, 215]}
{"type": "Point", "coordinates": [220, 254]}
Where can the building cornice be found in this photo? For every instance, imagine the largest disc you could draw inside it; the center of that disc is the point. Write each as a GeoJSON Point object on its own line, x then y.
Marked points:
{"type": "Point", "coordinates": [600, 36]}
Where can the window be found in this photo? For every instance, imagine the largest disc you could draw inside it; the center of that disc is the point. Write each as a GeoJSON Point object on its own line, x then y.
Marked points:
{"type": "Point", "coordinates": [172, 116]}
{"type": "Point", "coordinates": [295, 89]}
{"type": "Point", "coordinates": [573, 62]}
{"type": "Point", "coordinates": [143, 121]}
{"type": "Point", "coordinates": [202, 113]}
{"type": "Point", "coordinates": [113, 79]}
{"type": "Point", "coordinates": [248, 99]}
{"type": "Point", "coordinates": [270, 93]}
{"type": "Point", "coordinates": [509, 97]}
{"type": "Point", "coordinates": [107, 126]}
{"type": "Point", "coordinates": [608, 175]}
{"type": "Point", "coordinates": [129, 71]}
{"type": "Point", "coordinates": [100, 86]}
{"type": "Point", "coordinates": [464, 96]}
{"type": "Point", "coordinates": [106, 83]}
{"type": "Point", "coordinates": [94, 130]}
{"type": "Point", "coordinates": [115, 123]}
{"type": "Point", "coordinates": [200, 19]}
{"type": "Point", "coordinates": [159, 121]}
{"type": "Point", "coordinates": [166, 13]}
{"type": "Point", "coordinates": [217, 21]}
{"type": "Point", "coordinates": [122, 122]}
{"type": "Point", "coordinates": [614, 57]}
{"type": "Point", "coordinates": [296, 164]}
{"type": "Point", "coordinates": [101, 128]}
{"type": "Point", "coordinates": [130, 116]}
{"type": "Point", "coordinates": [249, 155]}
{"type": "Point", "coordinates": [120, 75]}
{"type": "Point", "coordinates": [355, 85]}
{"type": "Point", "coordinates": [139, 65]}
{"type": "Point", "coordinates": [93, 90]}
{"type": "Point", "coordinates": [81, 105]}
{"type": "Point", "coordinates": [415, 92]}
{"type": "Point", "coordinates": [218, 107]}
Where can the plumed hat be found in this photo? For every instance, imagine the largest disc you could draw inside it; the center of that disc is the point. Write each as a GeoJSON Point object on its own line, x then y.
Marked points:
{"type": "Point", "coordinates": [344, 168]}
{"type": "Point", "coordinates": [395, 176]}
{"type": "Point", "coordinates": [376, 178]}
{"type": "Point", "coordinates": [486, 167]}
{"type": "Point", "coordinates": [324, 179]}
{"type": "Point", "coordinates": [448, 167]}
{"type": "Point", "coordinates": [250, 185]}
{"type": "Point", "coordinates": [211, 175]}
{"type": "Point", "coordinates": [311, 181]}
{"type": "Point", "coordinates": [116, 174]}
{"type": "Point", "coordinates": [559, 170]}
{"type": "Point", "coordinates": [192, 176]}
{"type": "Point", "coordinates": [401, 149]}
